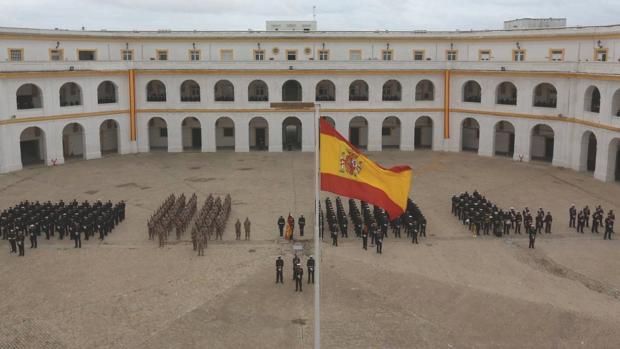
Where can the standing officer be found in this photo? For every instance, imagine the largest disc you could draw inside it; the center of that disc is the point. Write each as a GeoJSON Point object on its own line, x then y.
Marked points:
{"type": "Point", "coordinates": [246, 226]}
{"type": "Point", "coordinates": [296, 261]}
{"type": "Point", "coordinates": [77, 237]}
{"type": "Point", "coordinates": [365, 237]}
{"type": "Point", "coordinates": [238, 229]}
{"type": "Point", "coordinates": [281, 224]}
{"type": "Point", "coordinates": [414, 235]}
{"type": "Point", "coordinates": [279, 270]}
{"type": "Point", "coordinates": [22, 251]}
{"type": "Point", "coordinates": [33, 236]}
{"type": "Point", "coordinates": [580, 222]}
{"type": "Point", "coordinates": [379, 242]}
{"type": "Point", "coordinates": [12, 240]}
{"type": "Point", "coordinates": [299, 276]}
{"type": "Point", "coordinates": [334, 234]}
{"type": "Point", "coordinates": [518, 220]}
{"type": "Point", "coordinates": [609, 228]}
{"type": "Point", "coordinates": [310, 265]}
{"type": "Point", "coordinates": [548, 220]}
{"type": "Point", "coordinates": [532, 234]}
{"type": "Point", "coordinates": [302, 223]}
{"type": "Point", "coordinates": [572, 213]}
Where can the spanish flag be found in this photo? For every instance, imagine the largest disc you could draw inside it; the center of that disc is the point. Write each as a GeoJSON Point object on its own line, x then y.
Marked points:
{"type": "Point", "coordinates": [346, 171]}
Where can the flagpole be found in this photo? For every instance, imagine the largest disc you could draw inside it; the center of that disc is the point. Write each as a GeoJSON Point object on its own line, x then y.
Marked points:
{"type": "Point", "coordinates": [317, 241]}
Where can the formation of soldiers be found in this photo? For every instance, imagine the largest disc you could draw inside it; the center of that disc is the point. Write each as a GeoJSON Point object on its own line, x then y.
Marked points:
{"type": "Point", "coordinates": [298, 271]}
{"type": "Point", "coordinates": [72, 220]}
{"type": "Point", "coordinates": [163, 220]}
{"type": "Point", "coordinates": [367, 222]}
{"type": "Point", "coordinates": [211, 219]}
{"type": "Point", "coordinates": [482, 215]}
{"type": "Point", "coordinates": [581, 220]}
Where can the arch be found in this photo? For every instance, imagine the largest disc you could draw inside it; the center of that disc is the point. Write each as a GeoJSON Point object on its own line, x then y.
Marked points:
{"type": "Point", "coordinates": [190, 91]}
{"type": "Point", "coordinates": [325, 91]}
{"type": "Point", "coordinates": [191, 134]}
{"type": "Point", "coordinates": [390, 133]}
{"type": "Point", "coordinates": [615, 103]}
{"type": "Point", "coordinates": [258, 91]}
{"type": "Point", "coordinates": [291, 91]}
{"type": "Point", "coordinates": [224, 133]}
{"type": "Point", "coordinates": [158, 134]}
{"type": "Point", "coordinates": [155, 91]}
{"type": "Point", "coordinates": [424, 91]}
{"type": "Point", "coordinates": [613, 160]}
{"type": "Point", "coordinates": [358, 132]}
{"type": "Point", "coordinates": [470, 135]}
{"type": "Point", "coordinates": [109, 134]}
{"type": "Point", "coordinates": [423, 132]}
{"type": "Point", "coordinates": [587, 157]}
{"type": "Point", "coordinates": [542, 143]}
{"type": "Point", "coordinates": [259, 133]}
{"type": "Point", "coordinates": [472, 92]}
{"type": "Point", "coordinates": [70, 94]}
{"type": "Point", "coordinates": [545, 96]}
{"type": "Point", "coordinates": [29, 96]}
{"type": "Point", "coordinates": [506, 93]}
{"type": "Point", "coordinates": [32, 146]}
{"type": "Point", "coordinates": [107, 93]}
{"type": "Point", "coordinates": [224, 91]}
{"type": "Point", "coordinates": [392, 91]}
{"type": "Point", "coordinates": [330, 120]}
{"type": "Point", "coordinates": [504, 139]}
{"type": "Point", "coordinates": [73, 142]}
{"type": "Point", "coordinates": [358, 91]}
{"type": "Point", "coordinates": [592, 100]}
{"type": "Point", "coordinates": [291, 133]}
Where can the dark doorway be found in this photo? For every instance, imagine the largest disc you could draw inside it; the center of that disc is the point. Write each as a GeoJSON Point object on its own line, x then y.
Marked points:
{"type": "Point", "coordinates": [591, 162]}
{"type": "Point", "coordinates": [261, 143]}
{"type": "Point", "coordinates": [196, 138]}
{"type": "Point", "coordinates": [30, 153]}
{"type": "Point", "coordinates": [549, 149]}
{"type": "Point", "coordinates": [355, 136]}
{"type": "Point", "coordinates": [617, 165]}
{"type": "Point", "coordinates": [417, 136]}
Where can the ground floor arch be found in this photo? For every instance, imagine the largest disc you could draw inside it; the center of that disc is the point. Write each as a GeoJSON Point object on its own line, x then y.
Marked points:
{"type": "Point", "coordinates": [613, 160]}
{"type": "Point", "coordinates": [358, 132]}
{"type": "Point", "coordinates": [470, 135]}
{"type": "Point", "coordinates": [587, 158]}
{"type": "Point", "coordinates": [504, 139]}
{"type": "Point", "coordinates": [423, 132]}
{"type": "Point", "coordinates": [542, 141]}
{"type": "Point", "coordinates": [191, 133]}
{"type": "Point", "coordinates": [158, 134]}
{"type": "Point", "coordinates": [73, 142]}
{"type": "Point", "coordinates": [390, 133]}
{"type": "Point", "coordinates": [32, 146]}
{"type": "Point", "coordinates": [291, 133]}
{"type": "Point", "coordinates": [224, 134]}
{"type": "Point", "coordinates": [259, 134]}
{"type": "Point", "coordinates": [109, 135]}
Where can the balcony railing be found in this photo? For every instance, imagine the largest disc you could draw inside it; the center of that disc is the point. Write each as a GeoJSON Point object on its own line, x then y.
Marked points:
{"type": "Point", "coordinates": [472, 99]}
{"type": "Point", "coordinates": [354, 98]}
{"type": "Point", "coordinates": [106, 100]}
{"type": "Point", "coordinates": [545, 104]}
{"type": "Point", "coordinates": [224, 99]}
{"type": "Point", "coordinates": [507, 101]}
{"type": "Point", "coordinates": [156, 98]}
{"type": "Point", "coordinates": [325, 98]}
{"type": "Point", "coordinates": [190, 98]}
{"type": "Point", "coordinates": [390, 98]}
{"type": "Point", "coordinates": [258, 98]}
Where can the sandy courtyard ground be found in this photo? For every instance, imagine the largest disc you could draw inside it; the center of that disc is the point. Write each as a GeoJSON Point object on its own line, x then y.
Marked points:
{"type": "Point", "coordinates": [451, 291]}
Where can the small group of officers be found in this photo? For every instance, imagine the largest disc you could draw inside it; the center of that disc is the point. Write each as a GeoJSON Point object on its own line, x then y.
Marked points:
{"type": "Point", "coordinates": [72, 219]}
{"type": "Point", "coordinates": [480, 214]}
{"type": "Point", "coordinates": [582, 220]}
{"type": "Point", "coordinates": [298, 271]}
{"type": "Point", "coordinates": [287, 227]}
{"type": "Point", "coordinates": [373, 223]}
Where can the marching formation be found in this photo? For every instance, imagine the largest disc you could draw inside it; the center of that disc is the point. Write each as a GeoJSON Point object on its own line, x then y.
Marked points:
{"type": "Point", "coordinates": [582, 219]}
{"type": "Point", "coordinates": [72, 220]}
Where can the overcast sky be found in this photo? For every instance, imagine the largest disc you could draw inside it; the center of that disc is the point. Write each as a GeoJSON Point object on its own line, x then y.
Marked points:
{"type": "Point", "coordinates": [331, 14]}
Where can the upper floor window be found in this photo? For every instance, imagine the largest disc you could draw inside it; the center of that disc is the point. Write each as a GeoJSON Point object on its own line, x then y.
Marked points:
{"type": "Point", "coordinates": [484, 55]}
{"type": "Point", "coordinates": [16, 54]}
{"type": "Point", "coordinates": [127, 55]}
{"type": "Point", "coordinates": [556, 55]}
{"type": "Point", "coordinates": [323, 55]}
{"type": "Point", "coordinates": [291, 55]}
{"type": "Point", "coordinates": [57, 55]}
{"type": "Point", "coordinates": [418, 55]}
{"type": "Point", "coordinates": [451, 55]}
{"type": "Point", "coordinates": [226, 55]}
{"type": "Point", "coordinates": [87, 55]}
{"type": "Point", "coordinates": [600, 55]}
{"type": "Point", "coordinates": [355, 55]}
{"type": "Point", "coordinates": [259, 55]}
{"type": "Point", "coordinates": [162, 55]}
{"type": "Point", "coordinates": [387, 55]}
{"type": "Point", "coordinates": [194, 55]}
{"type": "Point", "coordinates": [518, 55]}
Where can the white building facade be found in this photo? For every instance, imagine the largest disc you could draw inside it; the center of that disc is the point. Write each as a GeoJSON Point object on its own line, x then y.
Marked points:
{"type": "Point", "coordinates": [546, 95]}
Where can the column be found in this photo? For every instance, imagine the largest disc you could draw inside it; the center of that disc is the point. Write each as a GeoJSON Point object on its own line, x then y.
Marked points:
{"type": "Point", "coordinates": [175, 135]}
{"type": "Point", "coordinates": [522, 142]}
{"type": "Point", "coordinates": [307, 132]}
{"type": "Point", "coordinates": [407, 133]}
{"type": "Point", "coordinates": [208, 134]}
{"type": "Point", "coordinates": [486, 139]}
{"type": "Point", "coordinates": [242, 134]}
{"type": "Point", "coordinates": [92, 141]}
{"type": "Point", "coordinates": [374, 132]}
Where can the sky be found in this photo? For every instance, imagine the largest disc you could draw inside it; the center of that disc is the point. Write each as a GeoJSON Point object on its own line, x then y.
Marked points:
{"type": "Point", "coordinates": [331, 14]}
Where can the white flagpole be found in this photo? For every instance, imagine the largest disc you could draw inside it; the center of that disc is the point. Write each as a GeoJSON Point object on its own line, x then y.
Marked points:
{"type": "Point", "coordinates": [317, 240]}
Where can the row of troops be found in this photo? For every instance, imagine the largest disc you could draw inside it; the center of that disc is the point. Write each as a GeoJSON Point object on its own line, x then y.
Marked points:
{"type": "Point", "coordinates": [482, 215]}
{"type": "Point", "coordinates": [582, 220]}
{"type": "Point", "coordinates": [211, 219]}
{"type": "Point", "coordinates": [289, 224]}
{"type": "Point", "coordinates": [172, 214]}
{"type": "Point", "coordinates": [298, 271]}
{"type": "Point", "coordinates": [73, 219]}
{"type": "Point", "coordinates": [370, 222]}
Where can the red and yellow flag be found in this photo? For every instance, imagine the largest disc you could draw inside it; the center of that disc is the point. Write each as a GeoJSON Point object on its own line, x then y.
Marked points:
{"type": "Point", "coordinates": [347, 171]}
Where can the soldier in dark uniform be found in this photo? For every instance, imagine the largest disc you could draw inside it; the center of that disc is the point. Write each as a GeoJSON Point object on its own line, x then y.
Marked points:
{"type": "Point", "coordinates": [532, 235]}
{"type": "Point", "coordinates": [580, 222]}
{"type": "Point", "coordinates": [238, 230]}
{"type": "Point", "coordinates": [279, 270]}
{"type": "Point", "coordinates": [334, 235]}
{"type": "Point", "coordinates": [33, 236]}
{"type": "Point", "coordinates": [572, 214]}
{"type": "Point", "coordinates": [12, 236]}
{"type": "Point", "coordinates": [609, 228]}
{"type": "Point", "coordinates": [302, 223]}
{"type": "Point", "coordinates": [310, 265]}
{"type": "Point", "coordinates": [379, 243]}
{"type": "Point", "coordinates": [548, 220]}
{"type": "Point", "coordinates": [296, 261]}
{"type": "Point", "coordinates": [414, 235]}
{"type": "Point", "coordinates": [76, 235]}
{"type": "Point", "coordinates": [586, 214]}
{"type": "Point", "coordinates": [365, 238]}
{"type": "Point", "coordinates": [281, 224]}
{"type": "Point", "coordinates": [246, 227]}
{"type": "Point", "coordinates": [20, 243]}
{"type": "Point", "coordinates": [299, 276]}
{"type": "Point", "coordinates": [518, 220]}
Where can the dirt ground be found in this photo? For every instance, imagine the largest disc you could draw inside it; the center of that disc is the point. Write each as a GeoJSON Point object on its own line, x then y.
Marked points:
{"type": "Point", "coordinates": [452, 290]}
